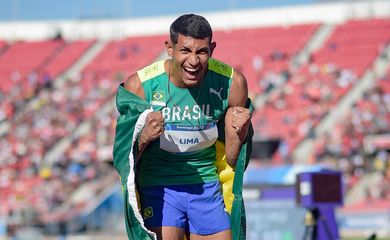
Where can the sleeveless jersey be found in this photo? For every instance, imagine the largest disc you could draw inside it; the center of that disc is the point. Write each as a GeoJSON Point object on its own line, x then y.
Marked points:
{"type": "Point", "coordinates": [185, 152]}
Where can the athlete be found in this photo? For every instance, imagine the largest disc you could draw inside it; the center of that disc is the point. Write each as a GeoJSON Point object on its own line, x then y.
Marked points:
{"type": "Point", "coordinates": [190, 95]}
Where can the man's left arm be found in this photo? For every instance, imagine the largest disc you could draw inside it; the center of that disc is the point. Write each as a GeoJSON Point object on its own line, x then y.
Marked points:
{"type": "Point", "coordinates": [237, 119]}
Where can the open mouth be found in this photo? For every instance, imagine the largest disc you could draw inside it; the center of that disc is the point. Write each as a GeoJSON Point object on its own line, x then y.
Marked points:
{"type": "Point", "coordinates": [192, 73]}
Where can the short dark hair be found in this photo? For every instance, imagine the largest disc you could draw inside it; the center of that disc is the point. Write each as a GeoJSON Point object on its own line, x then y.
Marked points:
{"type": "Point", "coordinates": [190, 25]}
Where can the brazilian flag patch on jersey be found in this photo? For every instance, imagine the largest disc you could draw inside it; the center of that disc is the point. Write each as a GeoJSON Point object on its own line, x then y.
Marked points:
{"type": "Point", "coordinates": [148, 212]}
{"type": "Point", "coordinates": [158, 98]}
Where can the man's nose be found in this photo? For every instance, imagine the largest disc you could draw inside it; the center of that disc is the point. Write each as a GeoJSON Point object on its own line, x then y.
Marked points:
{"type": "Point", "coordinates": [194, 59]}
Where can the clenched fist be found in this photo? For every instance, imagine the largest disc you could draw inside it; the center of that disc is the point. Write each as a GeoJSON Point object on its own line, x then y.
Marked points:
{"type": "Point", "coordinates": [154, 127]}
{"type": "Point", "coordinates": [241, 118]}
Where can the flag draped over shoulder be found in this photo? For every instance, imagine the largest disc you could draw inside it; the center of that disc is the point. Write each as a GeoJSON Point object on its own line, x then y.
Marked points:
{"type": "Point", "coordinates": [133, 111]}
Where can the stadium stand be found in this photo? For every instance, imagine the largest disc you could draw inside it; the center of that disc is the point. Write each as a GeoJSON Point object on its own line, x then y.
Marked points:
{"type": "Point", "coordinates": [293, 111]}
{"type": "Point", "coordinates": [23, 79]}
{"type": "Point", "coordinates": [355, 44]}
{"type": "Point", "coordinates": [263, 54]}
{"type": "Point", "coordinates": [22, 61]}
{"type": "Point", "coordinates": [127, 55]}
{"type": "Point", "coordinates": [66, 57]}
{"type": "Point", "coordinates": [348, 146]}
{"type": "Point", "coordinates": [53, 118]}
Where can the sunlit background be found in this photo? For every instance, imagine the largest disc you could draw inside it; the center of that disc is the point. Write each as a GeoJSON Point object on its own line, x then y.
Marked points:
{"type": "Point", "coordinates": [318, 73]}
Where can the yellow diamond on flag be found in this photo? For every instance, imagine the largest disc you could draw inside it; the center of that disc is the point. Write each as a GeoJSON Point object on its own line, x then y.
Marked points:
{"type": "Point", "coordinates": [148, 212]}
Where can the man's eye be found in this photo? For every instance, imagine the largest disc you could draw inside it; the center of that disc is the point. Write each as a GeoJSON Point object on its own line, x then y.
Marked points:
{"type": "Point", "coordinates": [204, 51]}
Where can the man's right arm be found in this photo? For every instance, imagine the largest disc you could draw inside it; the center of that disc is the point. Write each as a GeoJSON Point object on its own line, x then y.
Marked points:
{"type": "Point", "coordinates": [154, 123]}
{"type": "Point", "coordinates": [133, 84]}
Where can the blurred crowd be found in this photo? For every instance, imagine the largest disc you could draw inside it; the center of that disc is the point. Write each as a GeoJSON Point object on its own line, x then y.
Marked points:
{"type": "Point", "coordinates": [348, 146]}
{"type": "Point", "coordinates": [301, 99]}
{"type": "Point", "coordinates": [32, 181]}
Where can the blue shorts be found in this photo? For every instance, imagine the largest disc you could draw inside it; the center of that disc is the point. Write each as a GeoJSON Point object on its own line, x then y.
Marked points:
{"type": "Point", "coordinates": [198, 208]}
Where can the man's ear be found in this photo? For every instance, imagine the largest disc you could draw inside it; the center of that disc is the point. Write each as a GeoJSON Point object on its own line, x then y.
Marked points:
{"type": "Point", "coordinates": [169, 47]}
{"type": "Point", "coordinates": [213, 45]}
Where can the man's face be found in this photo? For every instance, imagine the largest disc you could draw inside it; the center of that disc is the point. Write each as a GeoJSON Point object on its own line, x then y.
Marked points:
{"type": "Point", "coordinates": [189, 60]}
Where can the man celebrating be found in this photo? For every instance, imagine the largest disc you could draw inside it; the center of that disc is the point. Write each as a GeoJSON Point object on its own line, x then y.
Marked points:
{"type": "Point", "coordinates": [176, 117]}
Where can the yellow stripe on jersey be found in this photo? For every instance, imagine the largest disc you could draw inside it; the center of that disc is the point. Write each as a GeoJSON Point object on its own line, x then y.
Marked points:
{"type": "Point", "coordinates": [221, 68]}
{"type": "Point", "coordinates": [151, 71]}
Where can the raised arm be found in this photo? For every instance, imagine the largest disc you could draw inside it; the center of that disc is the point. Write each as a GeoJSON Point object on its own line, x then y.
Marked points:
{"type": "Point", "coordinates": [237, 118]}
{"type": "Point", "coordinates": [154, 123]}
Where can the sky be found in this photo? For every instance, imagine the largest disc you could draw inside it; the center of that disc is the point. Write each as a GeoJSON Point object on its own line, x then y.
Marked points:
{"type": "Point", "coordinates": [31, 10]}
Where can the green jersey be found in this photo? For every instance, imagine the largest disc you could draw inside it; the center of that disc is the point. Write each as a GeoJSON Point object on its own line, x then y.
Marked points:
{"type": "Point", "coordinates": [185, 152]}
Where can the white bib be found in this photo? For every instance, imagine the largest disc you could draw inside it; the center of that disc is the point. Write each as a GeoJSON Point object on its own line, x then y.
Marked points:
{"type": "Point", "coordinates": [187, 138]}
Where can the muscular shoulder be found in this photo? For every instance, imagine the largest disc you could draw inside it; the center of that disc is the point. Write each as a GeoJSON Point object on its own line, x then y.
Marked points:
{"type": "Point", "coordinates": [133, 84]}
{"type": "Point", "coordinates": [239, 90]}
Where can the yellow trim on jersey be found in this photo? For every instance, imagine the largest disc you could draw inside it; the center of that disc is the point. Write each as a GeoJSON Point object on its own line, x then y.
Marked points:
{"type": "Point", "coordinates": [221, 68]}
{"type": "Point", "coordinates": [151, 71]}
